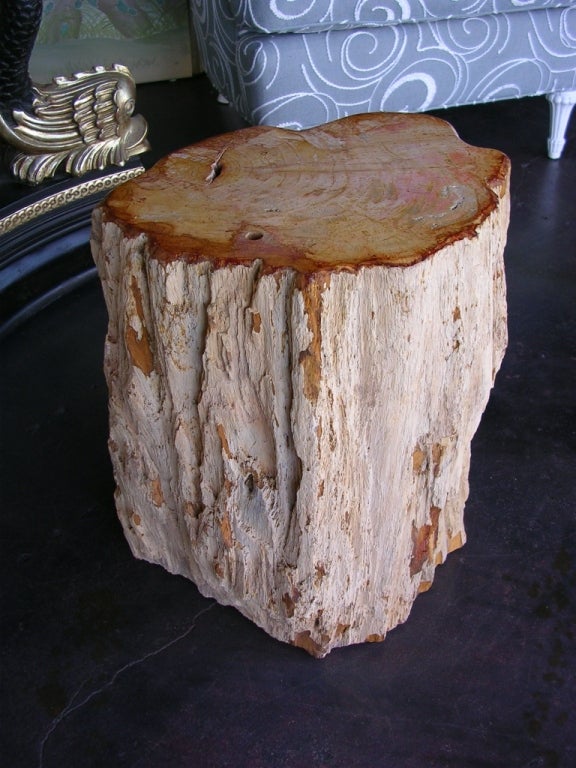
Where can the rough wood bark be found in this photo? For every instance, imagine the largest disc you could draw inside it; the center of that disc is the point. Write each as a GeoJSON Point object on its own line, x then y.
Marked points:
{"type": "Point", "coordinates": [304, 331]}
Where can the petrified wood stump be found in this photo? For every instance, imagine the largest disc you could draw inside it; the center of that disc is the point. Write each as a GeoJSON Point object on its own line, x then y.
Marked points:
{"type": "Point", "coordinates": [304, 330]}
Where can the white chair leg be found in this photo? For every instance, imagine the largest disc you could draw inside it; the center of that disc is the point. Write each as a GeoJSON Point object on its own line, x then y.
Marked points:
{"type": "Point", "coordinates": [561, 104]}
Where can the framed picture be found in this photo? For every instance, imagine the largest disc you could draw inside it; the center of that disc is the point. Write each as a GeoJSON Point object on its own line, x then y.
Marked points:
{"type": "Point", "coordinates": [150, 37]}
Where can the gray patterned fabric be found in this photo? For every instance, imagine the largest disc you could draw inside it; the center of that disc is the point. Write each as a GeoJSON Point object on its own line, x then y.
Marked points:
{"type": "Point", "coordinates": [322, 15]}
{"type": "Point", "coordinates": [298, 63]}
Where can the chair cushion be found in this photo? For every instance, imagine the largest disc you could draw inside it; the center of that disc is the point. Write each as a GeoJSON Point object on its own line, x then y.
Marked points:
{"type": "Point", "coordinates": [280, 16]}
{"type": "Point", "coordinates": [301, 80]}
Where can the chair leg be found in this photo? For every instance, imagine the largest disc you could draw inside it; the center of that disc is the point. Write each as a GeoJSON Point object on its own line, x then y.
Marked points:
{"type": "Point", "coordinates": [561, 104]}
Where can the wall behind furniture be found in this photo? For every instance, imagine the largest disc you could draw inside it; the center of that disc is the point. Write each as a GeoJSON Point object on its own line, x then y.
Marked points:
{"type": "Point", "coordinates": [152, 38]}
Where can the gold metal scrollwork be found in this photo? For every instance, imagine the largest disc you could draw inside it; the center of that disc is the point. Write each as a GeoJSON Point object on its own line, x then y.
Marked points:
{"type": "Point", "coordinates": [81, 123]}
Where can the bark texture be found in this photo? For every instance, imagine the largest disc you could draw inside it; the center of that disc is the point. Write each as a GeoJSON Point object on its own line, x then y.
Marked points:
{"type": "Point", "coordinates": [304, 331]}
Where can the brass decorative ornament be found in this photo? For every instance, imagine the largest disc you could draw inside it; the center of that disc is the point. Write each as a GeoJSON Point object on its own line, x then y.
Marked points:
{"type": "Point", "coordinates": [80, 123]}
{"type": "Point", "coordinates": [83, 123]}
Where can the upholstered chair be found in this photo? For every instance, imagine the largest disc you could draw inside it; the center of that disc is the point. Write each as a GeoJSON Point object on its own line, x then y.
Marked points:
{"type": "Point", "coordinates": [298, 63]}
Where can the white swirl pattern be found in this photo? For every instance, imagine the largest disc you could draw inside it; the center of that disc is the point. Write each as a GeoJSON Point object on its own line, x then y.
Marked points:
{"type": "Point", "coordinates": [449, 53]}
{"type": "Point", "coordinates": [272, 16]}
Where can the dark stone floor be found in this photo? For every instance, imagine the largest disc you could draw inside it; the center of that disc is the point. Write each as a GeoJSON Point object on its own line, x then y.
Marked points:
{"type": "Point", "coordinates": [111, 662]}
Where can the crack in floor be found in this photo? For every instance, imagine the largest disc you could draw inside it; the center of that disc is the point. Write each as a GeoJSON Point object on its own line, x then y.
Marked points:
{"type": "Point", "coordinates": [72, 707]}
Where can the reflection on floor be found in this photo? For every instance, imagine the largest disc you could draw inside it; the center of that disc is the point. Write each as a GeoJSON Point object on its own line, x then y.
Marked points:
{"type": "Point", "coordinates": [108, 661]}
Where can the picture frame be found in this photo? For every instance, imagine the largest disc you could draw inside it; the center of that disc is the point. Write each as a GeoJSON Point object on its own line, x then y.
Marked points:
{"type": "Point", "coordinates": [153, 38]}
